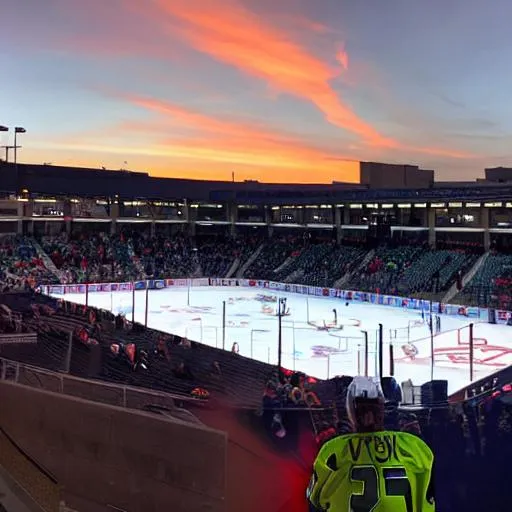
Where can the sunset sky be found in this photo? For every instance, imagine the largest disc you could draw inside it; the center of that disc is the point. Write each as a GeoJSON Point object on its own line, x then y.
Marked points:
{"type": "Point", "coordinates": [273, 90]}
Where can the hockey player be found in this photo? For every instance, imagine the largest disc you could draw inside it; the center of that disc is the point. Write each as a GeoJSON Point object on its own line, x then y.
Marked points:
{"type": "Point", "coordinates": [372, 470]}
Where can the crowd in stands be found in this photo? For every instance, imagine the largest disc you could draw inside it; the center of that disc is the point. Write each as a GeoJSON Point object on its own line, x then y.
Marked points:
{"type": "Point", "coordinates": [134, 256]}
{"type": "Point", "coordinates": [411, 269]}
{"type": "Point", "coordinates": [491, 285]}
{"type": "Point", "coordinates": [273, 256]}
{"type": "Point", "coordinates": [336, 263]}
{"type": "Point", "coordinates": [97, 257]}
{"type": "Point", "coordinates": [384, 269]}
{"type": "Point", "coordinates": [21, 267]}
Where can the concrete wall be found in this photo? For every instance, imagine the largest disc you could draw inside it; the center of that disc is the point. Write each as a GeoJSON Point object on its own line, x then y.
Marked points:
{"type": "Point", "coordinates": [106, 455]}
{"type": "Point", "coordinates": [95, 390]}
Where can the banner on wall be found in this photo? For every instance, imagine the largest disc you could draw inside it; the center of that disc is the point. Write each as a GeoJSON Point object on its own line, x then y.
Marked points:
{"type": "Point", "coordinates": [159, 284]}
{"type": "Point", "coordinates": [469, 312]}
{"type": "Point", "coordinates": [177, 282]}
{"type": "Point", "coordinates": [219, 281]}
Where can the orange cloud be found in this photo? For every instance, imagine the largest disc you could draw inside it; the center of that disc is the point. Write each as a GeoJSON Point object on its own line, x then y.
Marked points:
{"type": "Point", "coordinates": [206, 144]}
{"type": "Point", "coordinates": [450, 153]}
{"type": "Point", "coordinates": [342, 58]}
{"type": "Point", "coordinates": [304, 23]}
{"type": "Point", "coordinates": [230, 33]}
{"type": "Point", "coordinates": [247, 143]}
{"type": "Point", "coordinates": [216, 159]}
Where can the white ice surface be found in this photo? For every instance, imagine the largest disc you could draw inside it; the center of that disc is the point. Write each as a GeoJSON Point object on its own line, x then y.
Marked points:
{"type": "Point", "coordinates": [257, 333]}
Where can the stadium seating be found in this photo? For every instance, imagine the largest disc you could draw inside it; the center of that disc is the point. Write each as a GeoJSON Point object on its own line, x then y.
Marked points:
{"type": "Point", "coordinates": [21, 268]}
{"type": "Point", "coordinates": [490, 285]}
{"type": "Point", "coordinates": [408, 270]}
{"type": "Point", "coordinates": [385, 269]}
{"type": "Point", "coordinates": [274, 254]}
{"type": "Point", "coordinates": [164, 257]}
{"type": "Point", "coordinates": [419, 276]}
{"type": "Point", "coordinates": [233, 375]}
{"type": "Point", "coordinates": [329, 264]}
{"type": "Point", "coordinates": [97, 257]}
{"type": "Point", "coordinates": [217, 256]}
{"type": "Point", "coordinates": [307, 258]}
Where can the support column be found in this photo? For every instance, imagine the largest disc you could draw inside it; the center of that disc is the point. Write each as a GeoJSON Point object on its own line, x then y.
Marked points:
{"type": "Point", "coordinates": [67, 212]}
{"type": "Point", "coordinates": [431, 224]}
{"type": "Point", "coordinates": [190, 215]}
{"type": "Point", "coordinates": [232, 217]}
{"type": "Point", "coordinates": [114, 215]}
{"type": "Point", "coordinates": [485, 221]}
{"type": "Point", "coordinates": [337, 224]}
{"type": "Point", "coordinates": [28, 209]}
{"type": "Point", "coordinates": [344, 217]}
{"type": "Point", "coordinates": [301, 216]}
{"type": "Point", "coordinates": [268, 221]}
{"type": "Point", "coordinates": [21, 212]}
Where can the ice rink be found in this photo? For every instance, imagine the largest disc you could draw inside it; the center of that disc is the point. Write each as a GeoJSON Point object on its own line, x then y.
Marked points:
{"type": "Point", "coordinates": [311, 340]}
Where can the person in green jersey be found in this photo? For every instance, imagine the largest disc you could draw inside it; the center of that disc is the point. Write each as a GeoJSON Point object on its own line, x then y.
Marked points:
{"type": "Point", "coordinates": [372, 470]}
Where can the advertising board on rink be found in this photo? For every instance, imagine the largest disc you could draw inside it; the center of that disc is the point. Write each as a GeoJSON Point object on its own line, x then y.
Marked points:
{"type": "Point", "coordinates": [470, 312]}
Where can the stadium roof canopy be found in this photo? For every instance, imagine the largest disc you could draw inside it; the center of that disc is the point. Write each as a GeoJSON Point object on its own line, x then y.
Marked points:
{"type": "Point", "coordinates": [73, 182]}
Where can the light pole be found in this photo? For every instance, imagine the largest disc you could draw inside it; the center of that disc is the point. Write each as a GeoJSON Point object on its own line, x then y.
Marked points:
{"type": "Point", "coordinates": [5, 129]}
{"type": "Point", "coordinates": [17, 129]}
{"type": "Point", "coordinates": [7, 148]}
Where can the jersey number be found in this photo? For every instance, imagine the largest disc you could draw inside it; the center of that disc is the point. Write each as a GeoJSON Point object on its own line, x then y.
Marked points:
{"type": "Point", "coordinates": [395, 481]}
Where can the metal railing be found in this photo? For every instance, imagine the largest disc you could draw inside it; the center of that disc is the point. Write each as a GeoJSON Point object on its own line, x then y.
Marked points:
{"type": "Point", "coordinates": [128, 397]}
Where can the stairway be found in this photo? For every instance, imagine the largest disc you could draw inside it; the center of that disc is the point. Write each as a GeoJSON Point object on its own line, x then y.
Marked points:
{"type": "Point", "coordinates": [343, 280]}
{"type": "Point", "coordinates": [48, 263]}
{"type": "Point", "coordinates": [249, 262]}
{"type": "Point", "coordinates": [137, 263]}
{"type": "Point", "coordinates": [233, 268]}
{"type": "Point", "coordinates": [198, 272]}
{"type": "Point", "coordinates": [294, 277]}
{"type": "Point", "coordinates": [453, 291]}
{"type": "Point", "coordinates": [283, 265]}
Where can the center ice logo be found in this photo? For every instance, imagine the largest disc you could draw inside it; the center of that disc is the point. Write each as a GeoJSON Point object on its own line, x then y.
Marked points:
{"type": "Point", "coordinates": [486, 355]}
